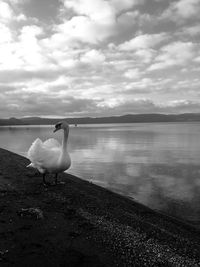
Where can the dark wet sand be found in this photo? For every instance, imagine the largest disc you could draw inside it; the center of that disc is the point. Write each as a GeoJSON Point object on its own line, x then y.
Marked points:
{"type": "Point", "coordinates": [81, 224]}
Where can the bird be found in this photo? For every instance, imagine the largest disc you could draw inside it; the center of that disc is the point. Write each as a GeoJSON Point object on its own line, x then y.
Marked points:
{"type": "Point", "coordinates": [50, 156]}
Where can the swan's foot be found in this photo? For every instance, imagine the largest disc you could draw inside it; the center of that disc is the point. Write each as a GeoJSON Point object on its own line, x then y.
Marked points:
{"type": "Point", "coordinates": [47, 184]}
{"type": "Point", "coordinates": [59, 182]}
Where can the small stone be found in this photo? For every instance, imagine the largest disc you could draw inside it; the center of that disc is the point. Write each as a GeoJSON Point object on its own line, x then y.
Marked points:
{"type": "Point", "coordinates": [31, 212]}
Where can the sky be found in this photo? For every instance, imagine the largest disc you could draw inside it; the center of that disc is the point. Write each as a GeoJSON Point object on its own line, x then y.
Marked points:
{"type": "Point", "coordinates": [77, 58]}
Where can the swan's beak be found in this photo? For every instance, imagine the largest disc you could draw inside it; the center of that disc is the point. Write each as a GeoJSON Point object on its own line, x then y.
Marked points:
{"type": "Point", "coordinates": [55, 130]}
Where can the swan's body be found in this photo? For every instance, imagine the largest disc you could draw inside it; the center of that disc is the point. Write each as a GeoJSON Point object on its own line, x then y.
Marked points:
{"type": "Point", "coordinates": [50, 156]}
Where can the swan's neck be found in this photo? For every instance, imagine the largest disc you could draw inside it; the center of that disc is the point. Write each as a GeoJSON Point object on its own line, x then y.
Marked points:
{"type": "Point", "coordinates": [64, 142]}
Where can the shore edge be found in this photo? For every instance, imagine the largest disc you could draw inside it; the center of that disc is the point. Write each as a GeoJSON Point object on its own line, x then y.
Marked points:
{"type": "Point", "coordinates": [82, 224]}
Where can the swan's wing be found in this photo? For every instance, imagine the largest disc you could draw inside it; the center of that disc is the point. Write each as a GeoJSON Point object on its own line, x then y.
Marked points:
{"type": "Point", "coordinates": [42, 156]}
{"type": "Point", "coordinates": [33, 150]}
{"type": "Point", "coordinates": [51, 143]}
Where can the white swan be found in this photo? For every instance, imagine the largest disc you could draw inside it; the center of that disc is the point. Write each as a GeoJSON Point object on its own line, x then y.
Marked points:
{"type": "Point", "coordinates": [50, 156]}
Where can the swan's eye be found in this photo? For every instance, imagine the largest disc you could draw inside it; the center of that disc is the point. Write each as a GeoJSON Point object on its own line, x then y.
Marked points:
{"type": "Point", "coordinates": [58, 125]}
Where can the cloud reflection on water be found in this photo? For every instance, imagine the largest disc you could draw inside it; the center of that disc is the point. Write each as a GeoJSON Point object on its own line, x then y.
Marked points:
{"type": "Point", "coordinates": [159, 169]}
{"type": "Point", "coordinates": [156, 164]}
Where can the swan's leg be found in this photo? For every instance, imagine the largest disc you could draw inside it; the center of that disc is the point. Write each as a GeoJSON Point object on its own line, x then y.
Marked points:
{"type": "Point", "coordinates": [44, 180]}
{"type": "Point", "coordinates": [45, 183]}
{"type": "Point", "coordinates": [56, 179]}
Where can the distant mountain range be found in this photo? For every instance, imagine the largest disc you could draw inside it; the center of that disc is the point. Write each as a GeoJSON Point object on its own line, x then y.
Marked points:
{"type": "Point", "coordinates": [129, 118]}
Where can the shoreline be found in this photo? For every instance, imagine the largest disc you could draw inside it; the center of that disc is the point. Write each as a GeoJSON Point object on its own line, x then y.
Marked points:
{"type": "Point", "coordinates": [83, 224]}
{"type": "Point", "coordinates": [100, 123]}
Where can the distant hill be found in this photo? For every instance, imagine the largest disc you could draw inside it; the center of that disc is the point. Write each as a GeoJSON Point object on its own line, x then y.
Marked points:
{"type": "Point", "coordinates": [11, 121]}
{"type": "Point", "coordinates": [129, 118]}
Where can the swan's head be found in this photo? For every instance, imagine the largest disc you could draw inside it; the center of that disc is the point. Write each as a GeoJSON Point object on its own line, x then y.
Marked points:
{"type": "Point", "coordinates": [61, 125]}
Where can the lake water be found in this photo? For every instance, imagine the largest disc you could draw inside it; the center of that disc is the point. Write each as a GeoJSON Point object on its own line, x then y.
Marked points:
{"type": "Point", "coordinates": [157, 164]}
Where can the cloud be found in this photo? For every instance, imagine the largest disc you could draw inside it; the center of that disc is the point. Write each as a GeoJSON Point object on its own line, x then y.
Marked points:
{"type": "Point", "coordinates": [132, 74]}
{"type": "Point", "coordinates": [24, 53]}
{"type": "Point", "coordinates": [94, 21]}
{"type": "Point", "coordinates": [6, 12]}
{"type": "Point", "coordinates": [60, 97]}
{"type": "Point", "coordinates": [142, 85]}
{"type": "Point", "coordinates": [29, 50]}
{"type": "Point", "coordinates": [182, 10]}
{"type": "Point", "coordinates": [148, 106]}
{"type": "Point", "coordinates": [145, 105]}
{"type": "Point", "coordinates": [98, 54]}
{"type": "Point", "coordinates": [88, 24]}
{"type": "Point", "coordinates": [92, 8]}
{"type": "Point", "coordinates": [183, 106]}
{"type": "Point", "coordinates": [83, 29]}
{"type": "Point", "coordinates": [6, 35]}
{"type": "Point", "coordinates": [126, 4]}
{"type": "Point", "coordinates": [42, 104]}
{"type": "Point", "coordinates": [193, 30]}
{"type": "Point", "coordinates": [18, 2]}
{"type": "Point", "coordinates": [176, 53]}
{"type": "Point", "coordinates": [20, 76]}
{"type": "Point", "coordinates": [125, 18]}
{"type": "Point", "coordinates": [143, 47]}
{"type": "Point", "coordinates": [19, 46]}
{"type": "Point", "coordinates": [93, 57]}
{"type": "Point", "coordinates": [145, 55]}
{"type": "Point", "coordinates": [143, 42]}
{"type": "Point", "coordinates": [186, 8]}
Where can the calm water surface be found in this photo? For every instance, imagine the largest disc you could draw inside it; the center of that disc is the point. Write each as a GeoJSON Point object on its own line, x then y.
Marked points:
{"type": "Point", "coordinates": [157, 163]}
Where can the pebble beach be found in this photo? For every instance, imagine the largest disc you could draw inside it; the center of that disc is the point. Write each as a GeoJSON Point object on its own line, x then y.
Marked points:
{"type": "Point", "coordinates": [81, 224]}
